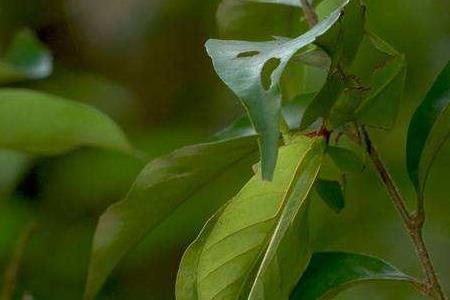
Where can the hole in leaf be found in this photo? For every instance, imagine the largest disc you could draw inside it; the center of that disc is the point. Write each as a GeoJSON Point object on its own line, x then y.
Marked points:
{"type": "Point", "coordinates": [266, 73]}
{"type": "Point", "coordinates": [247, 54]}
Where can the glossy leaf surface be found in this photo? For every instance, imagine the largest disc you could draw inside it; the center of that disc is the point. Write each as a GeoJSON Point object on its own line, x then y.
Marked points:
{"type": "Point", "coordinates": [25, 58]}
{"type": "Point", "coordinates": [429, 130]}
{"type": "Point", "coordinates": [253, 71]}
{"type": "Point", "coordinates": [253, 237]}
{"type": "Point", "coordinates": [42, 124]}
{"type": "Point", "coordinates": [162, 187]}
{"type": "Point", "coordinates": [329, 273]}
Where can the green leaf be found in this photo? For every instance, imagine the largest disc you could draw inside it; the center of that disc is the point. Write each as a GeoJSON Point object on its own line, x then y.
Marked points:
{"type": "Point", "coordinates": [42, 124]}
{"type": "Point", "coordinates": [14, 166]}
{"type": "Point", "coordinates": [250, 20]}
{"type": "Point", "coordinates": [341, 43]}
{"type": "Point", "coordinates": [331, 192]}
{"type": "Point", "coordinates": [186, 283]}
{"type": "Point", "coordinates": [165, 185]}
{"type": "Point", "coordinates": [238, 128]}
{"type": "Point", "coordinates": [26, 58]}
{"type": "Point", "coordinates": [294, 109]}
{"type": "Point", "coordinates": [253, 71]}
{"type": "Point", "coordinates": [346, 160]}
{"type": "Point", "coordinates": [248, 253]}
{"type": "Point", "coordinates": [329, 273]}
{"type": "Point", "coordinates": [380, 106]}
{"type": "Point", "coordinates": [429, 130]}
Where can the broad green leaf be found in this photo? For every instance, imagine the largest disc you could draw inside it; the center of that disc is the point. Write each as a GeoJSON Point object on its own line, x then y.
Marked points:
{"type": "Point", "coordinates": [329, 273]}
{"type": "Point", "coordinates": [163, 186]}
{"type": "Point", "coordinates": [25, 58]}
{"type": "Point", "coordinates": [331, 192]}
{"type": "Point", "coordinates": [429, 130]}
{"type": "Point", "coordinates": [253, 71]}
{"type": "Point", "coordinates": [39, 123]}
{"type": "Point", "coordinates": [346, 160]}
{"type": "Point", "coordinates": [248, 253]}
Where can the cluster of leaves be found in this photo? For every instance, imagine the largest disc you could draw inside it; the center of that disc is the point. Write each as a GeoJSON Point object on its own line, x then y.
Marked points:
{"type": "Point", "coordinates": [255, 242]}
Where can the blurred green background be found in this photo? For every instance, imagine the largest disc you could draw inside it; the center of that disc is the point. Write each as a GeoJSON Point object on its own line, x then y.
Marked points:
{"type": "Point", "coordinates": [143, 63]}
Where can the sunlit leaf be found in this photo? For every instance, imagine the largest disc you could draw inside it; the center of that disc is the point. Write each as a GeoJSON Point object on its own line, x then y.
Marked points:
{"type": "Point", "coordinates": [39, 123]}
{"type": "Point", "coordinates": [163, 186]}
{"type": "Point", "coordinates": [253, 71]}
{"type": "Point", "coordinates": [329, 273]}
{"type": "Point", "coordinates": [429, 130]}
{"type": "Point", "coordinates": [249, 251]}
{"type": "Point", "coordinates": [25, 58]}
{"type": "Point", "coordinates": [331, 192]}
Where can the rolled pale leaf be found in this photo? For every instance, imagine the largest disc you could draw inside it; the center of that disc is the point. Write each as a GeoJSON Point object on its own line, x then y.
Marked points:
{"type": "Point", "coordinates": [253, 71]}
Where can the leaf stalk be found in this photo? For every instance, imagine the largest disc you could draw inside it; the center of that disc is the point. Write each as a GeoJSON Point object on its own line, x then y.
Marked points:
{"type": "Point", "coordinates": [412, 222]}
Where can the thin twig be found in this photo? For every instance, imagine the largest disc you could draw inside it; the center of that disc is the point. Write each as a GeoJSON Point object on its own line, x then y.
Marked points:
{"type": "Point", "coordinates": [12, 270]}
{"type": "Point", "coordinates": [412, 222]}
{"type": "Point", "coordinates": [310, 14]}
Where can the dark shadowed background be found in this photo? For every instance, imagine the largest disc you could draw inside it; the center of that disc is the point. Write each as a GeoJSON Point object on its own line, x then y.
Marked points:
{"type": "Point", "coordinates": [143, 63]}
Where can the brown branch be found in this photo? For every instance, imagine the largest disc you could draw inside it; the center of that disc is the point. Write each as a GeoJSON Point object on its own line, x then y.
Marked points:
{"type": "Point", "coordinates": [412, 222]}
{"type": "Point", "coordinates": [310, 14]}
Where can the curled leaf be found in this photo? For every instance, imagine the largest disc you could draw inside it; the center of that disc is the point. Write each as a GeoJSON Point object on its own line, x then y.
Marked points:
{"type": "Point", "coordinates": [253, 71]}
{"type": "Point", "coordinates": [429, 130]}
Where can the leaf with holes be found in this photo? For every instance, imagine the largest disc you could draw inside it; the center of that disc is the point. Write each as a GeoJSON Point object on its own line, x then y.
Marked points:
{"type": "Point", "coordinates": [249, 251]}
{"type": "Point", "coordinates": [38, 123]}
{"type": "Point", "coordinates": [25, 58]}
{"type": "Point", "coordinates": [165, 185]}
{"type": "Point", "coordinates": [253, 71]}
{"type": "Point", "coordinates": [429, 130]}
{"type": "Point", "coordinates": [329, 273]}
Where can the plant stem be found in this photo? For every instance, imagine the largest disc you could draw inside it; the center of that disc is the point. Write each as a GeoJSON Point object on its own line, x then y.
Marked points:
{"type": "Point", "coordinates": [310, 14]}
{"type": "Point", "coordinates": [412, 222]}
{"type": "Point", "coordinates": [12, 270]}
